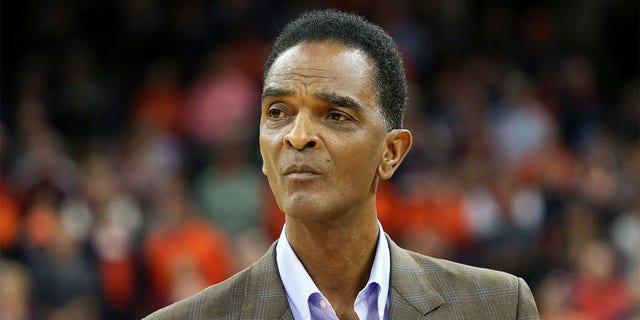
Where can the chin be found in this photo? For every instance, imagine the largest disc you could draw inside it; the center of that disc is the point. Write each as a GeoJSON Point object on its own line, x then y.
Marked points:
{"type": "Point", "coordinates": [306, 209]}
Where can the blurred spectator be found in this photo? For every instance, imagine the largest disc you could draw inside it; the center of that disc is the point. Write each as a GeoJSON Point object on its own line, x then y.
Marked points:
{"type": "Point", "coordinates": [183, 253]}
{"type": "Point", "coordinates": [597, 290]}
{"type": "Point", "coordinates": [553, 301]}
{"type": "Point", "coordinates": [221, 108]}
{"type": "Point", "coordinates": [65, 279]}
{"type": "Point", "coordinates": [230, 192]}
{"type": "Point", "coordinates": [147, 158]}
{"type": "Point", "coordinates": [42, 157]}
{"type": "Point", "coordinates": [579, 103]}
{"type": "Point", "coordinates": [625, 233]}
{"type": "Point", "coordinates": [413, 37]}
{"type": "Point", "coordinates": [520, 125]}
{"type": "Point", "coordinates": [15, 294]}
{"type": "Point", "coordinates": [158, 103]}
{"type": "Point", "coordinates": [633, 279]}
{"type": "Point", "coordinates": [221, 103]}
{"type": "Point", "coordinates": [10, 222]}
{"type": "Point", "coordinates": [117, 221]}
{"type": "Point", "coordinates": [434, 211]}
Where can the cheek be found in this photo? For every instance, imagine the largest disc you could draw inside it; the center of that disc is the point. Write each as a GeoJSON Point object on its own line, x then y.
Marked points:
{"type": "Point", "coordinates": [268, 144]}
{"type": "Point", "coordinates": [362, 161]}
{"type": "Point", "coordinates": [263, 156]}
{"type": "Point", "coordinates": [268, 165]}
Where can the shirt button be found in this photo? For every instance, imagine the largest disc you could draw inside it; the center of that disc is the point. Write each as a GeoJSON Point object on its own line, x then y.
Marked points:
{"type": "Point", "coordinates": [323, 304]}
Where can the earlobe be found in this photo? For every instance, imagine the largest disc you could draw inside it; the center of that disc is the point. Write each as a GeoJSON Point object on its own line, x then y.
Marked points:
{"type": "Point", "coordinates": [397, 145]}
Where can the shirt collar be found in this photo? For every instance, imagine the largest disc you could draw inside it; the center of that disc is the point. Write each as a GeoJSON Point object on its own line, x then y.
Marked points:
{"type": "Point", "coordinates": [299, 286]}
{"type": "Point", "coordinates": [381, 271]}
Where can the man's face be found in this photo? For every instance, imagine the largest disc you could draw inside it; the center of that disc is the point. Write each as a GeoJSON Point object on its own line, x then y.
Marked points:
{"type": "Point", "coordinates": [321, 131]}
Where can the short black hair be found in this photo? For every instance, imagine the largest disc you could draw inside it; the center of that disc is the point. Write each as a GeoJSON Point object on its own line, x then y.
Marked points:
{"type": "Point", "coordinates": [353, 31]}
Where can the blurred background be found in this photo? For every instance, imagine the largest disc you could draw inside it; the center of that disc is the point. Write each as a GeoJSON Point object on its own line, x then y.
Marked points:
{"type": "Point", "coordinates": [130, 173]}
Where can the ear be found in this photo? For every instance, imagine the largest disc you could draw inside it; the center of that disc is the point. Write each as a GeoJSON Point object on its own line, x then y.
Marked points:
{"type": "Point", "coordinates": [397, 143]}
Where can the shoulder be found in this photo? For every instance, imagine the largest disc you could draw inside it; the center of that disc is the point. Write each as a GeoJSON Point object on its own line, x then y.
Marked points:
{"type": "Point", "coordinates": [254, 293]}
{"type": "Point", "coordinates": [459, 289]}
{"type": "Point", "coordinates": [447, 274]}
{"type": "Point", "coordinates": [217, 301]}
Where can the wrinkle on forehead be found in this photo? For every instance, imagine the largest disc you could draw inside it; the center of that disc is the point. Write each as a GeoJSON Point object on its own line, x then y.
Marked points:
{"type": "Point", "coordinates": [292, 73]}
{"type": "Point", "coordinates": [354, 60]}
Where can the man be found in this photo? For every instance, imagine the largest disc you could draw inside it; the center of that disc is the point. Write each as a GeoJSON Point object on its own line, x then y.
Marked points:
{"type": "Point", "coordinates": [331, 128]}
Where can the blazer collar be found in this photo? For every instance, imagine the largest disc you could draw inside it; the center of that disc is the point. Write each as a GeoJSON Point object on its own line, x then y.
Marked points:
{"type": "Point", "coordinates": [411, 295]}
{"type": "Point", "coordinates": [265, 297]}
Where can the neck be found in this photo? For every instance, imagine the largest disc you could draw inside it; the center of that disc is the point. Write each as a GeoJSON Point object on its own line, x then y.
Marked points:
{"type": "Point", "coordinates": [338, 255]}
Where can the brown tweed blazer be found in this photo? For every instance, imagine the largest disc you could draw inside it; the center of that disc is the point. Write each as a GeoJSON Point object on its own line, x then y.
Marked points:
{"type": "Point", "coordinates": [421, 288]}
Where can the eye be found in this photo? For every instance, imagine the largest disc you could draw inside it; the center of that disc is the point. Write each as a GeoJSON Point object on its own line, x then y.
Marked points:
{"type": "Point", "coordinates": [337, 116]}
{"type": "Point", "coordinates": [274, 113]}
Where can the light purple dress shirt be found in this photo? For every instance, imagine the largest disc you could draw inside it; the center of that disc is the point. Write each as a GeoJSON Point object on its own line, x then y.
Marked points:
{"type": "Point", "coordinates": [308, 303]}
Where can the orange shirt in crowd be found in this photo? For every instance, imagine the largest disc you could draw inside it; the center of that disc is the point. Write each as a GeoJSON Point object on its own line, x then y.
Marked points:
{"type": "Point", "coordinates": [118, 279]}
{"type": "Point", "coordinates": [9, 221]}
{"type": "Point", "coordinates": [440, 213]}
{"type": "Point", "coordinates": [185, 259]}
{"type": "Point", "coordinates": [601, 300]}
{"type": "Point", "coordinates": [391, 211]}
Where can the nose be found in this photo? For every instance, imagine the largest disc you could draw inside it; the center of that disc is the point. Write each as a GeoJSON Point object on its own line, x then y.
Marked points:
{"type": "Point", "coordinates": [302, 135]}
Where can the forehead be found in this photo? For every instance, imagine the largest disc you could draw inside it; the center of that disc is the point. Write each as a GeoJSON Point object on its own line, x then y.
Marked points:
{"type": "Point", "coordinates": [324, 66]}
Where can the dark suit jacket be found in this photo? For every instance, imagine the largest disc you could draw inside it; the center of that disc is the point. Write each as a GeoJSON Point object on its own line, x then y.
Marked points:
{"type": "Point", "coordinates": [421, 288]}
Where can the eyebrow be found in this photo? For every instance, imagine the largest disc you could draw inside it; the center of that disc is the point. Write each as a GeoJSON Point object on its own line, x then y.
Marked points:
{"type": "Point", "coordinates": [338, 100]}
{"type": "Point", "coordinates": [333, 98]}
{"type": "Point", "coordinates": [275, 92]}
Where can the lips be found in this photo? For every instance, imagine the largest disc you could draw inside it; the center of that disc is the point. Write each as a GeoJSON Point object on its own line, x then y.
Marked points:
{"type": "Point", "coordinates": [301, 170]}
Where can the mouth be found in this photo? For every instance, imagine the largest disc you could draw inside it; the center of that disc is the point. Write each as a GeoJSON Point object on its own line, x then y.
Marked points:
{"type": "Point", "coordinates": [301, 172]}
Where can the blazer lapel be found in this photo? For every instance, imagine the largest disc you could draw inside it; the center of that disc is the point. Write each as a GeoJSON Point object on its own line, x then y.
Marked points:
{"type": "Point", "coordinates": [265, 297]}
{"type": "Point", "coordinates": [411, 296]}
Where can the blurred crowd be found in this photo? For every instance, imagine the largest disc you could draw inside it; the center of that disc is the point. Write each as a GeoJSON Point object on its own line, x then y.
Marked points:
{"type": "Point", "coordinates": [130, 174]}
